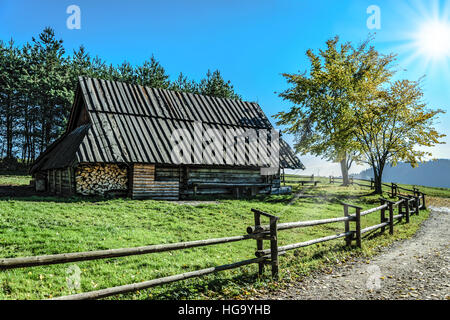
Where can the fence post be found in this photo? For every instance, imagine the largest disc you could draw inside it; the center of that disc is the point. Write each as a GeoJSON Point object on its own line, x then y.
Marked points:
{"type": "Point", "coordinates": [274, 246]}
{"type": "Point", "coordinates": [391, 217]}
{"type": "Point", "coordinates": [407, 209]}
{"type": "Point", "coordinates": [423, 201]}
{"type": "Point", "coordinates": [358, 227]}
{"type": "Point", "coordinates": [330, 179]}
{"type": "Point", "coordinates": [400, 211]}
{"type": "Point", "coordinates": [372, 184]}
{"type": "Point", "coordinates": [259, 242]}
{"type": "Point", "coordinates": [348, 239]}
{"type": "Point", "coordinates": [351, 180]}
{"type": "Point", "coordinates": [383, 215]}
{"type": "Point", "coordinates": [416, 202]}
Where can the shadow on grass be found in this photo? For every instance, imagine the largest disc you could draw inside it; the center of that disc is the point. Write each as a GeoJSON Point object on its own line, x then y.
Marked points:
{"type": "Point", "coordinates": [212, 283]}
{"type": "Point", "coordinates": [217, 284]}
{"type": "Point", "coordinates": [379, 232]}
{"type": "Point", "coordinates": [27, 193]}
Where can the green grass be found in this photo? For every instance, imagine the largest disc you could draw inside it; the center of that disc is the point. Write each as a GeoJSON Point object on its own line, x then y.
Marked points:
{"type": "Point", "coordinates": [14, 180]}
{"type": "Point", "coordinates": [37, 225]}
{"type": "Point", "coordinates": [430, 191]}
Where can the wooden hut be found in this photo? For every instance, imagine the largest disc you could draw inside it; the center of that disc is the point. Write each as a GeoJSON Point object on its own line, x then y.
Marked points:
{"type": "Point", "coordinates": [119, 139]}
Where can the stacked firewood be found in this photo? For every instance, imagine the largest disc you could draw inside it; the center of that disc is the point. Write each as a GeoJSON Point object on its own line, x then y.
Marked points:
{"type": "Point", "coordinates": [98, 179]}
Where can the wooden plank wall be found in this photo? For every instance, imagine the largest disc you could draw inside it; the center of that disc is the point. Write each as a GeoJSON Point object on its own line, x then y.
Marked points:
{"type": "Point", "coordinates": [60, 181]}
{"type": "Point", "coordinates": [163, 185]}
{"type": "Point", "coordinates": [220, 175]}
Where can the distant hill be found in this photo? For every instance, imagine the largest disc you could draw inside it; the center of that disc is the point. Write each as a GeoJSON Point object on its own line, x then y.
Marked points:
{"type": "Point", "coordinates": [432, 174]}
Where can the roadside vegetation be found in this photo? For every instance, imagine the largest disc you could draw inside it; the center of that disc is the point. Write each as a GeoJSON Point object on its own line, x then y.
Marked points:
{"type": "Point", "coordinates": [48, 225]}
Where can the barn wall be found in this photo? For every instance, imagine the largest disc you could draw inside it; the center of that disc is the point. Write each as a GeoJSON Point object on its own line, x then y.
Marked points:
{"type": "Point", "coordinates": [61, 181]}
{"type": "Point", "coordinates": [146, 184]}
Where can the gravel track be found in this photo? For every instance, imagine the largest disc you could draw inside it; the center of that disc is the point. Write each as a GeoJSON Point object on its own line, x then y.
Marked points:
{"type": "Point", "coordinates": [416, 268]}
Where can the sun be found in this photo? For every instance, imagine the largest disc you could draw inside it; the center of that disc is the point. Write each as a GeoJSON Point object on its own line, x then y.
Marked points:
{"type": "Point", "coordinates": [422, 40]}
{"type": "Point", "coordinates": [433, 40]}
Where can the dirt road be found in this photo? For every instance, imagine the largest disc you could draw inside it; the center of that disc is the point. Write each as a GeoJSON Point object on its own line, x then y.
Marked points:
{"type": "Point", "coordinates": [417, 268]}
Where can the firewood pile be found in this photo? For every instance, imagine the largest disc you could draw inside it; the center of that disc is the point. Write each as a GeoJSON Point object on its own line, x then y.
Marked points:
{"type": "Point", "coordinates": [99, 179]}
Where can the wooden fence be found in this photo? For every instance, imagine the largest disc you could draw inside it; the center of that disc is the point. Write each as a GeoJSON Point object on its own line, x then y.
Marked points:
{"type": "Point", "coordinates": [407, 206]}
{"type": "Point", "coordinates": [394, 189]}
{"type": "Point", "coordinates": [303, 180]}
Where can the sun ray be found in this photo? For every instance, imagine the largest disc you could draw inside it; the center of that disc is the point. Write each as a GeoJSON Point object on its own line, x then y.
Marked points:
{"type": "Point", "coordinates": [425, 44]}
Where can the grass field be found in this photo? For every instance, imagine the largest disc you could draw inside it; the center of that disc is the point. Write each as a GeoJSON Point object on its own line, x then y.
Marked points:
{"type": "Point", "coordinates": [14, 180]}
{"type": "Point", "coordinates": [38, 225]}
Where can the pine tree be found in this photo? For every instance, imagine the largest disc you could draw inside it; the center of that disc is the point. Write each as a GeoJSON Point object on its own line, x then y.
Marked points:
{"type": "Point", "coordinates": [214, 85]}
{"type": "Point", "coordinates": [152, 74]}
{"type": "Point", "coordinates": [55, 93]}
{"type": "Point", "coordinates": [184, 84]}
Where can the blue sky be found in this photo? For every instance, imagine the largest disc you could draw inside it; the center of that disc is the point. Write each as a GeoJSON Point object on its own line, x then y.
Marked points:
{"type": "Point", "coordinates": [251, 42]}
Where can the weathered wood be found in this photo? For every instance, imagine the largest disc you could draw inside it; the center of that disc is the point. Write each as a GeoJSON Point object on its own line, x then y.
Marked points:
{"type": "Point", "coordinates": [303, 182]}
{"type": "Point", "coordinates": [305, 243]}
{"type": "Point", "coordinates": [383, 214]}
{"type": "Point", "coordinates": [145, 185]}
{"type": "Point", "coordinates": [348, 239]}
{"type": "Point", "coordinates": [362, 185]}
{"type": "Point", "coordinates": [54, 181]}
{"type": "Point", "coordinates": [99, 179]}
{"type": "Point", "coordinates": [358, 227]}
{"type": "Point", "coordinates": [350, 205]}
{"type": "Point", "coordinates": [155, 282]}
{"type": "Point", "coordinates": [424, 207]}
{"type": "Point", "coordinates": [299, 224]}
{"type": "Point", "coordinates": [393, 189]}
{"type": "Point", "coordinates": [417, 204]}
{"type": "Point", "coordinates": [9, 263]}
{"type": "Point", "coordinates": [230, 185]}
{"type": "Point", "coordinates": [377, 226]}
{"type": "Point", "coordinates": [391, 217]}
{"type": "Point", "coordinates": [407, 211]}
{"type": "Point", "coordinates": [259, 242]}
{"type": "Point", "coordinates": [366, 212]}
{"type": "Point", "coordinates": [400, 210]}
{"type": "Point", "coordinates": [274, 247]}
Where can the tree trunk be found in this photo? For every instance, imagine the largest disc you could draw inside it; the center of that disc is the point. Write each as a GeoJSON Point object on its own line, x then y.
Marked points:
{"type": "Point", "coordinates": [9, 131]}
{"type": "Point", "coordinates": [344, 170]}
{"type": "Point", "coordinates": [377, 181]}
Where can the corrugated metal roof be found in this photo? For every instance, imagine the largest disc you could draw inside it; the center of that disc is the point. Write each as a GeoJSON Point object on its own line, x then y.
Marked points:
{"type": "Point", "coordinates": [134, 124]}
{"type": "Point", "coordinates": [64, 151]}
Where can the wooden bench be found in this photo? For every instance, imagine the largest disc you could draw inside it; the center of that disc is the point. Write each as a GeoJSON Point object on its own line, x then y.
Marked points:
{"type": "Point", "coordinates": [237, 187]}
{"type": "Point", "coordinates": [310, 180]}
{"type": "Point", "coordinates": [303, 182]}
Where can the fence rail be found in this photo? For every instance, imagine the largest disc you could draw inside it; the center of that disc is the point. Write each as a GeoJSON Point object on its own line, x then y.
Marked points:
{"type": "Point", "coordinates": [395, 189]}
{"type": "Point", "coordinates": [11, 263]}
{"type": "Point", "coordinates": [407, 206]}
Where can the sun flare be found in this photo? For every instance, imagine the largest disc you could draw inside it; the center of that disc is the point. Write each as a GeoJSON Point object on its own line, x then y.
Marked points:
{"type": "Point", "coordinates": [433, 40]}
